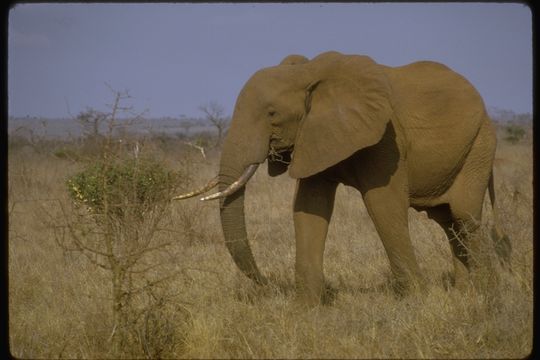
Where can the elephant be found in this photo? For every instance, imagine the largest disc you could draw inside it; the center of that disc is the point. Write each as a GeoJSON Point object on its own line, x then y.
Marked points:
{"type": "Point", "coordinates": [415, 136]}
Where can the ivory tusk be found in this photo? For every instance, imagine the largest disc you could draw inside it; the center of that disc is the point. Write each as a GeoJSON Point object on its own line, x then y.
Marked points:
{"type": "Point", "coordinates": [209, 186]}
{"type": "Point", "coordinates": [231, 189]}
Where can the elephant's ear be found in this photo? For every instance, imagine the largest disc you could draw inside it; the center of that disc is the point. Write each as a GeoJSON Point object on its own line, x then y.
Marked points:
{"type": "Point", "coordinates": [346, 110]}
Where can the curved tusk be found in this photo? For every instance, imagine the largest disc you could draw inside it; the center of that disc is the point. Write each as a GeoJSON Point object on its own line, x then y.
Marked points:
{"type": "Point", "coordinates": [209, 186]}
{"type": "Point", "coordinates": [242, 180]}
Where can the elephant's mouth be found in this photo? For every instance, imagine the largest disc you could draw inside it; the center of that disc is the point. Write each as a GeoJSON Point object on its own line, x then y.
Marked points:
{"type": "Point", "coordinates": [280, 155]}
{"type": "Point", "coordinates": [279, 160]}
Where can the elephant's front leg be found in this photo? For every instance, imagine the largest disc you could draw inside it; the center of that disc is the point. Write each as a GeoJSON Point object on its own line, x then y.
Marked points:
{"type": "Point", "coordinates": [313, 205]}
{"type": "Point", "coordinates": [387, 207]}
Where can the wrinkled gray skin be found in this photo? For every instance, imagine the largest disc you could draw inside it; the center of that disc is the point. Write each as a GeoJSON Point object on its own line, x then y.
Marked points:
{"type": "Point", "coordinates": [411, 136]}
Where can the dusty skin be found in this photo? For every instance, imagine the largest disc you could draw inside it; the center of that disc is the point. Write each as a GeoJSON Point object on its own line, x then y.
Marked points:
{"type": "Point", "coordinates": [411, 136]}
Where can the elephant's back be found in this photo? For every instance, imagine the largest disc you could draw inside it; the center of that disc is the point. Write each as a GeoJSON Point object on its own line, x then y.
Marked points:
{"type": "Point", "coordinates": [427, 95]}
{"type": "Point", "coordinates": [440, 113]}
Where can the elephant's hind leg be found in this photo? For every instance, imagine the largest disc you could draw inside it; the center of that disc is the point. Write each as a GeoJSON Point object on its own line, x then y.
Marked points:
{"type": "Point", "coordinates": [462, 232]}
{"type": "Point", "coordinates": [457, 237]}
{"type": "Point", "coordinates": [465, 201]}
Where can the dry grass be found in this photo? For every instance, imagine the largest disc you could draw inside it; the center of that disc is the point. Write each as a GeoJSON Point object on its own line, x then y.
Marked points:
{"type": "Point", "coordinates": [60, 303]}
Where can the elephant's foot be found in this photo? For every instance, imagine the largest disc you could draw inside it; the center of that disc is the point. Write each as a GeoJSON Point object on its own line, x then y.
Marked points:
{"type": "Point", "coordinates": [329, 295]}
{"type": "Point", "coordinates": [407, 286]}
{"type": "Point", "coordinates": [462, 284]}
{"type": "Point", "coordinates": [306, 300]}
{"type": "Point", "coordinates": [503, 247]}
{"type": "Point", "coordinates": [316, 293]}
{"type": "Point", "coordinates": [309, 296]}
{"type": "Point", "coordinates": [407, 279]}
{"type": "Point", "coordinates": [462, 279]}
{"type": "Point", "coordinates": [327, 299]}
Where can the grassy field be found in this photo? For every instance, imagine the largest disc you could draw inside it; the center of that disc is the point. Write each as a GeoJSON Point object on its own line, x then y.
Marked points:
{"type": "Point", "coordinates": [196, 304]}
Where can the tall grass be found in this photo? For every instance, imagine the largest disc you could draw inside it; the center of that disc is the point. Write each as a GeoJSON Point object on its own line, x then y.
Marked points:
{"type": "Point", "coordinates": [59, 302]}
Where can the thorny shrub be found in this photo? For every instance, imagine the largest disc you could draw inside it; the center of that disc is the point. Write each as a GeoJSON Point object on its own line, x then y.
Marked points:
{"type": "Point", "coordinates": [107, 188]}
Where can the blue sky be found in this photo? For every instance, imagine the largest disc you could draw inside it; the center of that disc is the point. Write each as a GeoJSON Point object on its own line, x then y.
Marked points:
{"type": "Point", "coordinates": [175, 57]}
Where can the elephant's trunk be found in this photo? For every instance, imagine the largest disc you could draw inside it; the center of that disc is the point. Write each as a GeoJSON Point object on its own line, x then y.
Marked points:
{"type": "Point", "coordinates": [244, 148]}
{"type": "Point", "coordinates": [231, 195]}
{"type": "Point", "coordinates": [234, 231]}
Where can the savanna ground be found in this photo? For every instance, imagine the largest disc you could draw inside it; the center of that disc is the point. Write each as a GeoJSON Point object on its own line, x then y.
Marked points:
{"type": "Point", "coordinates": [192, 302]}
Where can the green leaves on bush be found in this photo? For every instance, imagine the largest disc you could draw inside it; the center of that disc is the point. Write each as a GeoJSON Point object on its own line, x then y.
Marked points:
{"type": "Point", "coordinates": [129, 185]}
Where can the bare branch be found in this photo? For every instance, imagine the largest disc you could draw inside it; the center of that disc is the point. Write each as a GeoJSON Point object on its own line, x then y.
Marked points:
{"type": "Point", "coordinates": [150, 284]}
{"type": "Point", "coordinates": [200, 148]}
{"type": "Point", "coordinates": [138, 254]}
{"type": "Point", "coordinates": [215, 115]}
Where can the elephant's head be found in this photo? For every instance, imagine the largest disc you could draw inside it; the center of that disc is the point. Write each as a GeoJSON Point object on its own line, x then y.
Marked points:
{"type": "Point", "coordinates": [304, 116]}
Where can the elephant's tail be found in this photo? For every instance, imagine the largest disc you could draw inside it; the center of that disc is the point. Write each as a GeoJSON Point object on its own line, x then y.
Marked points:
{"type": "Point", "coordinates": [491, 189]}
{"type": "Point", "coordinates": [503, 246]}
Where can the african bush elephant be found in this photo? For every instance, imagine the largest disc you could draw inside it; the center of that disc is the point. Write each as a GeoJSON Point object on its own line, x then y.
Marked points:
{"type": "Point", "coordinates": [411, 136]}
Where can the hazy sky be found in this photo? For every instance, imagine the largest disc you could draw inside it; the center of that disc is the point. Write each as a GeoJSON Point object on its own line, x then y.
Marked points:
{"type": "Point", "coordinates": [174, 57]}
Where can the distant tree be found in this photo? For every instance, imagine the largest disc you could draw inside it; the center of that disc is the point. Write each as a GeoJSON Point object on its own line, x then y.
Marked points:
{"type": "Point", "coordinates": [215, 116]}
{"type": "Point", "coordinates": [523, 119]}
{"type": "Point", "coordinates": [186, 125]}
{"type": "Point", "coordinates": [504, 116]}
{"type": "Point", "coordinates": [91, 122]}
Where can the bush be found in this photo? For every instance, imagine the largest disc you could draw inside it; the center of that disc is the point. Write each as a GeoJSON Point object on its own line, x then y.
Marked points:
{"type": "Point", "coordinates": [109, 189]}
{"type": "Point", "coordinates": [120, 206]}
{"type": "Point", "coordinates": [514, 133]}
